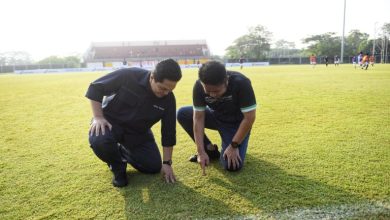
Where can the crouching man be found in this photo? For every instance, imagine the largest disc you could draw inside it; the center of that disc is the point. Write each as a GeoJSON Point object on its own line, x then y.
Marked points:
{"type": "Point", "coordinates": [125, 105]}
{"type": "Point", "coordinates": [223, 101]}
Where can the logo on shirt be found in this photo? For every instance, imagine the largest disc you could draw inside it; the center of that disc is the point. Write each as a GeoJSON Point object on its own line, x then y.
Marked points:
{"type": "Point", "coordinates": [159, 107]}
{"type": "Point", "coordinates": [212, 100]}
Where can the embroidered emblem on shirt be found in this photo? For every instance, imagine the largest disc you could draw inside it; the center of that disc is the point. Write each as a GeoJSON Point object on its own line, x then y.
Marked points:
{"type": "Point", "coordinates": [211, 100]}
{"type": "Point", "coordinates": [159, 107]}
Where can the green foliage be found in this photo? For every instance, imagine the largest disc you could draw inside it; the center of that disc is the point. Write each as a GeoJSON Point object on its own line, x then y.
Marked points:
{"type": "Point", "coordinates": [69, 61]}
{"type": "Point", "coordinates": [329, 45]}
{"type": "Point", "coordinates": [51, 60]}
{"type": "Point", "coordinates": [320, 144]}
{"type": "Point", "coordinates": [253, 45]}
{"type": "Point", "coordinates": [284, 48]}
{"type": "Point", "coordinates": [72, 61]}
{"type": "Point", "coordinates": [357, 41]}
{"type": "Point", "coordinates": [15, 58]}
{"type": "Point", "coordinates": [386, 29]}
{"type": "Point", "coordinates": [323, 45]}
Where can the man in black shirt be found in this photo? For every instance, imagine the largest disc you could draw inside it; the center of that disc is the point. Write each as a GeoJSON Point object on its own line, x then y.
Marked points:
{"type": "Point", "coordinates": [126, 104]}
{"type": "Point", "coordinates": [223, 101]}
{"type": "Point", "coordinates": [241, 60]}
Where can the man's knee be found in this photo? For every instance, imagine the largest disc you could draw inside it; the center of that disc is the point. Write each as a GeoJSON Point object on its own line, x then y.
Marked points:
{"type": "Point", "coordinates": [101, 140]}
{"type": "Point", "coordinates": [184, 114]}
{"type": "Point", "coordinates": [147, 162]}
{"type": "Point", "coordinates": [102, 144]}
{"type": "Point", "coordinates": [155, 168]}
{"type": "Point", "coordinates": [150, 167]}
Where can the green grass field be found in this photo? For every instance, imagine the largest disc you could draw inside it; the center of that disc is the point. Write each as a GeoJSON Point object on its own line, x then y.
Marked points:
{"type": "Point", "coordinates": [319, 149]}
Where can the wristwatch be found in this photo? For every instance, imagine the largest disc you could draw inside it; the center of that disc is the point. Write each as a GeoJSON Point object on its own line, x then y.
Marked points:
{"type": "Point", "coordinates": [235, 144]}
{"type": "Point", "coordinates": [167, 162]}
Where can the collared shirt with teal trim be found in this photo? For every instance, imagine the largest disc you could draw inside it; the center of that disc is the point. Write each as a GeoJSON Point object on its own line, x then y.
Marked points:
{"type": "Point", "coordinates": [229, 108]}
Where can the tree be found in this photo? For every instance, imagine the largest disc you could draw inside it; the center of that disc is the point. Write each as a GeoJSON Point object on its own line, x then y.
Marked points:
{"type": "Point", "coordinates": [72, 61]}
{"type": "Point", "coordinates": [239, 48]}
{"type": "Point", "coordinates": [386, 29]}
{"type": "Point", "coordinates": [356, 41]}
{"type": "Point", "coordinates": [69, 62]}
{"type": "Point", "coordinates": [323, 45]}
{"type": "Point", "coordinates": [283, 48]}
{"type": "Point", "coordinates": [385, 42]}
{"type": "Point", "coordinates": [15, 58]}
{"type": "Point", "coordinates": [253, 45]}
{"type": "Point", "coordinates": [51, 60]}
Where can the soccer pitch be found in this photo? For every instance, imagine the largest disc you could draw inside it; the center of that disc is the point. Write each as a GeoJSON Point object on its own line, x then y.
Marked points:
{"type": "Point", "coordinates": [319, 149]}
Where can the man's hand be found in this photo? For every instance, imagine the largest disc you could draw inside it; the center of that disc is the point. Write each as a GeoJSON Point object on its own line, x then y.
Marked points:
{"type": "Point", "coordinates": [232, 155]}
{"type": "Point", "coordinates": [168, 174]}
{"type": "Point", "coordinates": [98, 126]}
{"type": "Point", "coordinates": [203, 160]}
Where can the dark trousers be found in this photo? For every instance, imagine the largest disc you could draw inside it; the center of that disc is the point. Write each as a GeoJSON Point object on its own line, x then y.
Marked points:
{"type": "Point", "coordinates": [226, 131]}
{"type": "Point", "coordinates": [116, 152]}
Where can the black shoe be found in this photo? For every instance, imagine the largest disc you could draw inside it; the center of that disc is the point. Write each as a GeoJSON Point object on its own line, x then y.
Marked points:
{"type": "Point", "coordinates": [194, 158]}
{"type": "Point", "coordinates": [213, 154]}
{"type": "Point", "coordinates": [119, 179]}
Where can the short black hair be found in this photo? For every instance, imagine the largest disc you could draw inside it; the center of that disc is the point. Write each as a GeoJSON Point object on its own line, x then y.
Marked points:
{"type": "Point", "coordinates": [167, 69]}
{"type": "Point", "coordinates": [212, 73]}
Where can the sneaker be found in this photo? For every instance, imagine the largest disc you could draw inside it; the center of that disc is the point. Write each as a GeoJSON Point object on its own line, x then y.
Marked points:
{"type": "Point", "coordinates": [213, 154]}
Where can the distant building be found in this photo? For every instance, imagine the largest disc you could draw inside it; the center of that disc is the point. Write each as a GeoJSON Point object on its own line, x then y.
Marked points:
{"type": "Point", "coordinates": [112, 54]}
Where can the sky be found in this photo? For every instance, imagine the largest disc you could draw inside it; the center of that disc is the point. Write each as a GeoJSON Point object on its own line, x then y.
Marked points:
{"type": "Point", "coordinates": [67, 27]}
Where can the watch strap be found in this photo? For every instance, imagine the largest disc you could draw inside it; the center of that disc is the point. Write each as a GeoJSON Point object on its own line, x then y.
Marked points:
{"type": "Point", "coordinates": [167, 162]}
{"type": "Point", "coordinates": [235, 144]}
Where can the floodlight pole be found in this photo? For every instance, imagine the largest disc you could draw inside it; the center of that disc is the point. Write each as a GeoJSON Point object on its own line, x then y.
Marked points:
{"type": "Point", "coordinates": [373, 43]}
{"type": "Point", "coordinates": [342, 39]}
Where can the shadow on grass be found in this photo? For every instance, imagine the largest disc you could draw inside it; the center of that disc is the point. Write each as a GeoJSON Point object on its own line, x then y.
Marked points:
{"type": "Point", "coordinates": [148, 197]}
{"type": "Point", "coordinates": [271, 189]}
{"type": "Point", "coordinates": [261, 186]}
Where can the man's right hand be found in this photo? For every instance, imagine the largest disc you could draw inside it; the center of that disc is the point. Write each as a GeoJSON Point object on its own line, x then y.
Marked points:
{"type": "Point", "coordinates": [203, 160]}
{"type": "Point", "coordinates": [98, 126]}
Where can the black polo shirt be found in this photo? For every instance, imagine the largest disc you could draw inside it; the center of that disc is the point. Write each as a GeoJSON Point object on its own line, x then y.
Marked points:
{"type": "Point", "coordinates": [229, 108]}
{"type": "Point", "coordinates": [131, 104]}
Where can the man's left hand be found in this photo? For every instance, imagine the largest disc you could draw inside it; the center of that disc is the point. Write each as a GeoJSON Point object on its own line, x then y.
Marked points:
{"type": "Point", "coordinates": [232, 155]}
{"type": "Point", "coordinates": [168, 174]}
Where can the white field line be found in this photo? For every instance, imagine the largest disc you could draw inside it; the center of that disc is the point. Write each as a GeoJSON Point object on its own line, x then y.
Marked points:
{"type": "Point", "coordinates": [355, 211]}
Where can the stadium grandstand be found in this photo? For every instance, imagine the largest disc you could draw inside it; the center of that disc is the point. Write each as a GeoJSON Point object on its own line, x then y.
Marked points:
{"type": "Point", "coordinates": [146, 53]}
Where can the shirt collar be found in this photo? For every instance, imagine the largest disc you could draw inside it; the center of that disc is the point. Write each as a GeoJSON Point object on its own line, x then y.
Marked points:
{"type": "Point", "coordinates": [144, 81]}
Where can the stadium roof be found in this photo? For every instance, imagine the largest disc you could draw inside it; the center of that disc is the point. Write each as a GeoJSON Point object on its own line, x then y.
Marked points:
{"type": "Point", "coordinates": [142, 50]}
{"type": "Point", "coordinates": [148, 43]}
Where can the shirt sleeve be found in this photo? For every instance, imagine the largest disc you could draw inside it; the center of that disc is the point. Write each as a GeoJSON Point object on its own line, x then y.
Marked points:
{"type": "Point", "coordinates": [246, 96]}
{"type": "Point", "coordinates": [198, 96]}
{"type": "Point", "coordinates": [106, 85]}
{"type": "Point", "coordinates": [168, 124]}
